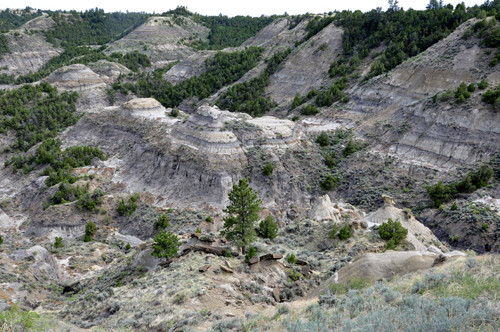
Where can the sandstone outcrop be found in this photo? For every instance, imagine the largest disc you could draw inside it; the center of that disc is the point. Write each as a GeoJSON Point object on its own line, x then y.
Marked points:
{"type": "Point", "coordinates": [108, 71]}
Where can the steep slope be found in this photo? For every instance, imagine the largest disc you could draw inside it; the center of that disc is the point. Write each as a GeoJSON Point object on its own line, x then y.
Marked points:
{"type": "Point", "coordinates": [161, 38]}
{"type": "Point", "coordinates": [28, 51]}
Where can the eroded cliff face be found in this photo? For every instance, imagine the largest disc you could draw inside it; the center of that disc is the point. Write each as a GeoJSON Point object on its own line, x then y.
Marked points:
{"type": "Point", "coordinates": [28, 51]}
{"type": "Point", "coordinates": [162, 39]}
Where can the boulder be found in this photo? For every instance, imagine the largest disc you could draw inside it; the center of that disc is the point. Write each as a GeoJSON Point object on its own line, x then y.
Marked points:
{"type": "Point", "coordinates": [226, 269]}
{"type": "Point", "coordinates": [306, 269]}
{"type": "Point", "coordinates": [271, 256]}
{"type": "Point", "coordinates": [208, 249]}
{"type": "Point", "coordinates": [204, 268]}
{"type": "Point", "coordinates": [254, 260]}
{"type": "Point", "coordinates": [301, 262]}
{"type": "Point", "coordinates": [276, 294]}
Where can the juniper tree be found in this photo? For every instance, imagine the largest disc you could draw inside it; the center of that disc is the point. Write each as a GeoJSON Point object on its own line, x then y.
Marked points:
{"type": "Point", "coordinates": [243, 212]}
{"type": "Point", "coordinates": [165, 245]}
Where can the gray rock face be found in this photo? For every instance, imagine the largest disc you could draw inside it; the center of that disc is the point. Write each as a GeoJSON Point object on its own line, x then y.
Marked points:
{"type": "Point", "coordinates": [42, 261]}
{"type": "Point", "coordinates": [108, 71]}
{"type": "Point", "coordinates": [144, 259]}
{"type": "Point", "coordinates": [160, 38]}
{"type": "Point", "coordinates": [28, 53]}
{"type": "Point", "coordinates": [76, 77]}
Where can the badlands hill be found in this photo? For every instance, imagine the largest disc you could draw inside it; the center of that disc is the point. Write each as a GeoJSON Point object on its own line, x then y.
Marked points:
{"type": "Point", "coordinates": [158, 117]}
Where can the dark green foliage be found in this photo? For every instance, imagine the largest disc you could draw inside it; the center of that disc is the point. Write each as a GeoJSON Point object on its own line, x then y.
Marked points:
{"type": "Point", "coordinates": [208, 219]}
{"type": "Point", "coordinates": [165, 245]}
{"type": "Point", "coordinates": [250, 253]}
{"type": "Point", "coordinates": [435, 98]}
{"type": "Point", "coordinates": [483, 85]}
{"type": "Point", "coordinates": [198, 230]}
{"type": "Point", "coordinates": [333, 94]}
{"type": "Point", "coordinates": [454, 207]}
{"type": "Point", "coordinates": [4, 45]}
{"type": "Point", "coordinates": [162, 221]}
{"type": "Point", "coordinates": [221, 70]}
{"type": "Point", "coordinates": [1, 239]}
{"type": "Point", "coordinates": [442, 194]}
{"type": "Point", "coordinates": [90, 201]}
{"type": "Point", "coordinates": [128, 247]}
{"type": "Point", "coordinates": [92, 27]}
{"type": "Point", "coordinates": [298, 100]}
{"type": "Point", "coordinates": [35, 113]}
{"type": "Point", "coordinates": [462, 93]}
{"type": "Point", "coordinates": [291, 259]}
{"type": "Point", "coordinates": [316, 25]}
{"type": "Point", "coordinates": [484, 226]}
{"type": "Point", "coordinates": [406, 33]}
{"type": "Point", "coordinates": [58, 242]}
{"type": "Point", "coordinates": [345, 232]}
{"type": "Point", "coordinates": [352, 147]}
{"type": "Point", "coordinates": [295, 118]}
{"type": "Point", "coordinates": [230, 31]}
{"type": "Point", "coordinates": [344, 66]}
{"type": "Point", "coordinates": [329, 183]}
{"type": "Point", "coordinates": [127, 209]}
{"type": "Point", "coordinates": [60, 162]}
{"type": "Point", "coordinates": [310, 110]}
{"type": "Point", "coordinates": [331, 160]}
{"type": "Point", "coordinates": [248, 96]}
{"type": "Point", "coordinates": [90, 230]}
{"type": "Point", "coordinates": [84, 55]}
{"type": "Point", "coordinates": [14, 18]}
{"type": "Point", "coordinates": [333, 233]}
{"type": "Point", "coordinates": [268, 227]}
{"type": "Point", "coordinates": [243, 212]}
{"type": "Point", "coordinates": [392, 231]}
{"type": "Point", "coordinates": [111, 96]}
{"type": "Point", "coordinates": [323, 139]}
{"type": "Point", "coordinates": [471, 87]}
{"type": "Point", "coordinates": [268, 169]}
{"type": "Point", "coordinates": [175, 112]}
{"type": "Point", "coordinates": [492, 96]}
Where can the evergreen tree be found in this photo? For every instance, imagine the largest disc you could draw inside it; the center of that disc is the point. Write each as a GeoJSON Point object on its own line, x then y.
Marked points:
{"type": "Point", "coordinates": [345, 232]}
{"type": "Point", "coordinates": [58, 242]}
{"type": "Point", "coordinates": [162, 222]}
{"type": "Point", "coordinates": [90, 230]}
{"type": "Point", "coordinates": [1, 239]}
{"type": "Point", "coordinates": [268, 227]}
{"type": "Point", "coordinates": [392, 231]}
{"type": "Point", "coordinates": [251, 253]}
{"type": "Point", "coordinates": [165, 245]}
{"type": "Point", "coordinates": [128, 247]}
{"type": "Point", "coordinates": [243, 212]}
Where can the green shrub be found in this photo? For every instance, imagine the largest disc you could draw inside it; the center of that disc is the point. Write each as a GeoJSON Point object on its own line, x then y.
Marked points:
{"type": "Point", "coordinates": [58, 242]}
{"type": "Point", "coordinates": [455, 238]}
{"type": "Point", "coordinates": [484, 226]}
{"type": "Point", "coordinates": [295, 118]}
{"type": "Point", "coordinates": [268, 169]}
{"type": "Point", "coordinates": [323, 139]}
{"type": "Point", "coordinates": [291, 259]}
{"type": "Point", "coordinates": [351, 148]}
{"type": "Point", "coordinates": [165, 245]}
{"type": "Point", "coordinates": [128, 247]}
{"type": "Point", "coordinates": [471, 87]}
{"type": "Point", "coordinates": [331, 160]}
{"type": "Point", "coordinates": [1, 239]}
{"type": "Point", "coordinates": [162, 222]}
{"type": "Point", "coordinates": [294, 275]}
{"type": "Point", "coordinates": [250, 254]}
{"type": "Point", "coordinates": [329, 183]}
{"type": "Point", "coordinates": [345, 232]}
{"type": "Point", "coordinates": [208, 219]}
{"type": "Point", "coordinates": [127, 209]}
{"type": "Point", "coordinates": [483, 85]}
{"type": "Point", "coordinates": [175, 112]}
{"type": "Point", "coordinates": [392, 231]}
{"type": "Point", "coordinates": [268, 227]}
{"type": "Point", "coordinates": [198, 230]}
{"type": "Point", "coordinates": [310, 110]}
{"type": "Point", "coordinates": [90, 230]}
{"type": "Point", "coordinates": [333, 233]}
{"type": "Point", "coordinates": [454, 206]}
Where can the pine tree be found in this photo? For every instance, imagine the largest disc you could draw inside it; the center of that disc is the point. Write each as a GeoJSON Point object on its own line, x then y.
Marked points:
{"type": "Point", "coordinates": [243, 212]}
{"type": "Point", "coordinates": [128, 247]}
{"type": "Point", "coordinates": [268, 227]}
{"type": "Point", "coordinates": [58, 242]}
{"type": "Point", "coordinates": [165, 245]}
{"type": "Point", "coordinates": [90, 230]}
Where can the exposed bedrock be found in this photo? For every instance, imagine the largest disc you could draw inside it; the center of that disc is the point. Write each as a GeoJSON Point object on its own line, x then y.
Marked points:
{"type": "Point", "coordinates": [194, 162]}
